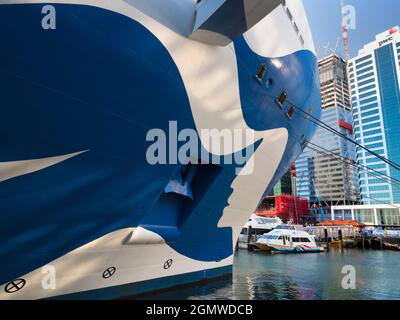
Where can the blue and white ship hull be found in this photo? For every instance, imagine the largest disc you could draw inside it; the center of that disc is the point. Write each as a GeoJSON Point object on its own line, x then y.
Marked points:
{"type": "Point", "coordinates": [78, 198]}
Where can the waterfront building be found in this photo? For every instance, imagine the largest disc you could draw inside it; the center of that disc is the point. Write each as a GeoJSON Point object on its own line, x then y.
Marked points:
{"type": "Point", "coordinates": [374, 81]}
{"type": "Point", "coordinates": [324, 176]}
{"type": "Point", "coordinates": [378, 215]}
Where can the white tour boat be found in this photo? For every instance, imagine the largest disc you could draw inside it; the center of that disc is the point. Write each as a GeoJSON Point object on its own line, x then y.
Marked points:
{"type": "Point", "coordinates": [288, 239]}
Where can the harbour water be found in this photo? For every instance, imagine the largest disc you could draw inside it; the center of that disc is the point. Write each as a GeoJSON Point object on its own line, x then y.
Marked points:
{"type": "Point", "coordinates": [303, 277]}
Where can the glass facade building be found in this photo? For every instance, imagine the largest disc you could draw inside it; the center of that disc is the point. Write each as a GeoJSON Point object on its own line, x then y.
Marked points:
{"type": "Point", "coordinates": [374, 77]}
{"type": "Point", "coordinates": [323, 175]}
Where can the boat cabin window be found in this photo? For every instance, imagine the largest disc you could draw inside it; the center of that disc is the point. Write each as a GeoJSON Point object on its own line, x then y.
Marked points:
{"type": "Point", "coordinates": [284, 227]}
{"type": "Point", "coordinates": [294, 239]}
{"type": "Point", "coordinates": [268, 236]}
{"type": "Point", "coordinates": [260, 221]}
{"type": "Point", "coordinates": [266, 220]}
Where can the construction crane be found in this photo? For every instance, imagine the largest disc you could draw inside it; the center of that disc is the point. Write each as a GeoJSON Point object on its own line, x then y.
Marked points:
{"type": "Point", "coordinates": [345, 34]}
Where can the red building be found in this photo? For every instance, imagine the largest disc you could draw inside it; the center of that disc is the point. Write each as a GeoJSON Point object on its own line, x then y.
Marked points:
{"type": "Point", "coordinates": [285, 207]}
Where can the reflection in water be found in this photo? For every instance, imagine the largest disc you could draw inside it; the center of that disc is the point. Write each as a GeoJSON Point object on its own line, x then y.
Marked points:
{"type": "Point", "coordinates": [302, 277]}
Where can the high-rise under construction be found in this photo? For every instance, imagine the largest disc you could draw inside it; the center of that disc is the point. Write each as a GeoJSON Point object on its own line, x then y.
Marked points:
{"type": "Point", "coordinates": [325, 171]}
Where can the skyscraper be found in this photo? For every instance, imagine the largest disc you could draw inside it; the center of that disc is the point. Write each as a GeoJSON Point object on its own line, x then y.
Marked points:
{"type": "Point", "coordinates": [326, 175]}
{"type": "Point", "coordinates": [374, 79]}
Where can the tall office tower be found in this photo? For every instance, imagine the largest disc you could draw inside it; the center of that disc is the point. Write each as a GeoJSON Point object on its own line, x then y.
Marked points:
{"type": "Point", "coordinates": [374, 79]}
{"type": "Point", "coordinates": [326, 176]}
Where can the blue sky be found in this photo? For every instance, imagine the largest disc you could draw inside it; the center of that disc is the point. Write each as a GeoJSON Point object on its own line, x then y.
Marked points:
{"type": "Point", "coordinates": [372, 17]}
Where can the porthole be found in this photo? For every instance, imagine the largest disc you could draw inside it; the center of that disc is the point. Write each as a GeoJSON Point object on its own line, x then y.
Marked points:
{"type": "Point", "coordinates": [291, 112]}
{"type": "Point", "coordinates": [261, 72]}
{"type": "Point", "coordinates": [282, 99]}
